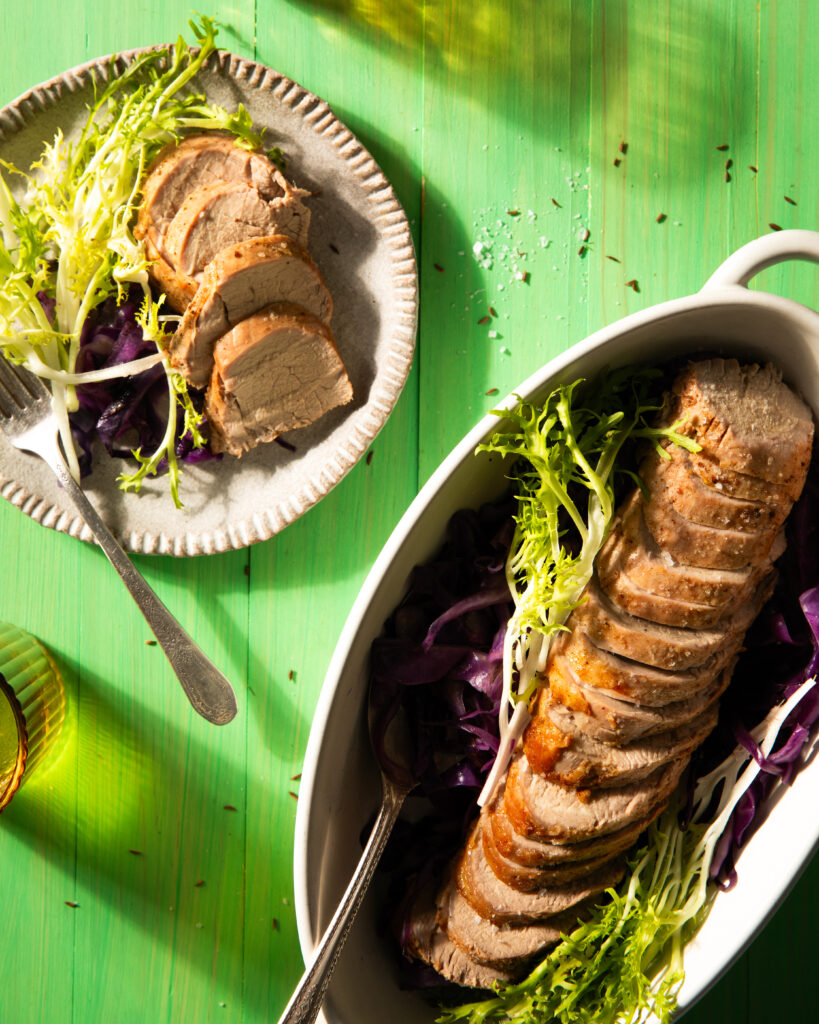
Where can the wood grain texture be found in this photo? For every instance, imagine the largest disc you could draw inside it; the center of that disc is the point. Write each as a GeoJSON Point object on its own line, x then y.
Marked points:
{"type": "Point", "coordinates": [548, 152]}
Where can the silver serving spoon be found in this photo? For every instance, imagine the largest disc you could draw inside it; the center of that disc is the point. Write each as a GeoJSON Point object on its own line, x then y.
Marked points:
{"type": "Point", "coordinates": [391, 742]}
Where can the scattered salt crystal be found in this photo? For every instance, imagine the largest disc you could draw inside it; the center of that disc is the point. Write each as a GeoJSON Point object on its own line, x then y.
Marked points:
{"type": "Point", "coordinates": [493, 334]}
{"type": "Point", "coordinates": [505, 351]}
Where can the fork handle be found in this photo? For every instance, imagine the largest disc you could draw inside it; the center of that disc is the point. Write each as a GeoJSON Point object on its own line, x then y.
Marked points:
{"type": "Point", "coordinates": [206, 687]}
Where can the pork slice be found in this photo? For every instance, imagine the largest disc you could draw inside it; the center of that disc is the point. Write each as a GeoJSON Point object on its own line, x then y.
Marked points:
{"type": "Point", "coordinates": [582, 760]}
{"type": "Point", "coordinates": [738, 485]}
{"type": "Point", "coordinates": [275, 371]}
{"type": "Point", "coordinates": [542, 809]}
{"type": "Point", "coordinates": [674, 480]}
{"type": "Point", "coordinates": [668, 647]}
{"type": "Point", "coordinates": [429, 943]}
{"type": "Point", "coordinates": [668, 611]}
{"type": "Point", "coordinates": [694, 544]}
{"type": "Point", "coordinates": [238, 282]}
{"type": "Point", "coordinates": [198, 161]}
{"type": "Point", "coordinates": [548, 855]}
{"type": "Point", "coordinates": [502, 904]}
{"type": "Point", "coordinates": [217, 216]}
{"type": "Point", "coordinates": [577, 709]}
{"type": "Point", "coordinates": [528, 879]}
{"type": "Point", "coordinates": [503, 946]}
{"type": "Point", "coordinates": [747, 418]}
{"type": "Point", "coordinates": [631, 551]}
{"type": "Point", "coordinates": [631, 681]}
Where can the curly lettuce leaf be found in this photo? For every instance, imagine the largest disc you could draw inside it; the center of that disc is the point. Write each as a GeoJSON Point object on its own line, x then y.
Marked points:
{"type": "Point", "coordinates": [68, 243]}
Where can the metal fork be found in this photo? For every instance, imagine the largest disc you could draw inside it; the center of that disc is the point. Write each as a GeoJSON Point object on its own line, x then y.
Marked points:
{"type": "Point", "coordinates": [28, 421]}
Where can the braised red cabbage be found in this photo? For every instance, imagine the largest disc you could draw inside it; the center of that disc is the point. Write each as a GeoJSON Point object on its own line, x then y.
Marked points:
{"type": "Point", "coordinates": [126, 412]}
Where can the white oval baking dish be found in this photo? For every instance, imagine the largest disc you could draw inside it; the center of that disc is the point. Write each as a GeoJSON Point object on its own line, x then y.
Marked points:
{"type": "Point", "coordinates": [340, 783]}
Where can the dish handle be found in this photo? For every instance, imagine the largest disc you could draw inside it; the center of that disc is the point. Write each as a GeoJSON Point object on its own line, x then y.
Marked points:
{"type": "Point", "coordinates": [764, 252]}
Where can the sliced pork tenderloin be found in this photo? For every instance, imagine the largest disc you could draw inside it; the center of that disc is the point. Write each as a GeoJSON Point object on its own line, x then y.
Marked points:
{"type": "Point", "coordinates": [668, 647]}
{"type": "Point", "coordinates": [746, 418]}
{"type": "Point", "coordinates": [738, 485]}
{"type": "Point", "coordinates": [545, 854]}
{"type": "Point", "coordinates": [195, 162]}
{"type": "Point", "coordinates": [240, 281]}
{"type": "Point", "coordinates": [705, 546]}
{"type": "Point", "coordinates": [503, 946]}
{"type": "Point", "coordinates": [502, 904]}
{"type": "Point", "coordinates": [580, 760]}
{"type": "Point", "coordinates": [275, 371]}
{"type": "Point", "coordinates": [547, 810]}
{"type": "Point", "coordinates": [428, 942]}
{"type": "Point", "coordinates": [674, 481]}
{"type": "Point", "coordinates": [632, 681]}
{"type": "Point", "coordinates": [199, 161]}
{"type": "Point", "coordinates": [577, 708]}
{"type": "Point", "coordinates": [529, 879]}
{"type": "Point", "coordinates": [218, 216]}
{"type": "Point", "coordinates": [630, 550]}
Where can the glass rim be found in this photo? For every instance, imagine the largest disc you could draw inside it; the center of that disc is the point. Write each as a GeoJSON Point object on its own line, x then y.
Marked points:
{"type": "Point", "coordinates": [13, 784]}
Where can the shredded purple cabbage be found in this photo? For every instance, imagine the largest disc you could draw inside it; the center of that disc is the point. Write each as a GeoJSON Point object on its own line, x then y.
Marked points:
{"type": "Point", "coordinates": [128, 412]}
{"type": "Point", "coordinates": [440, 659]}
{"type": "Point", "coordinates": [441, 655]}
{"type": "Point", "coordinates": [781, 652]}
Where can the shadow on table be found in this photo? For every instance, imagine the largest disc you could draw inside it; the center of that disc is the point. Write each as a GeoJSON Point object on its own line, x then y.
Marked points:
{"type": "Point", "coordinates": [149, 825]}
{"type": "Point", "coordinates": [552, 62]}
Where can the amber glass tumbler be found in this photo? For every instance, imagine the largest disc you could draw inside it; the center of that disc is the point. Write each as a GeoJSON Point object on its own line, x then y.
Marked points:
{"type": "Point", "coordinates": [32, 707]}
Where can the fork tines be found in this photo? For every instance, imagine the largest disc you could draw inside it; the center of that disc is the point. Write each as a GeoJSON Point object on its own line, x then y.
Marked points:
{"type": "Point", "coordinates": [19, 388]}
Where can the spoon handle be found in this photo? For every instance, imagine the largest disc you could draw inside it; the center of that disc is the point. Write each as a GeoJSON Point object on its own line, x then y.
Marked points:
{"type": "Point", "coordinates": [306, 1001]}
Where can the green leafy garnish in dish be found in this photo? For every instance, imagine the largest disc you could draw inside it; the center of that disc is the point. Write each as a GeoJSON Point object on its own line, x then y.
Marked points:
{"type": "Point", "coordinates": [565, 461]}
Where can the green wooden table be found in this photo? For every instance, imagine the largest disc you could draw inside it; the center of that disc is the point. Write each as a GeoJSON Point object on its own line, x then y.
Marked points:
{"type": "Point", "coordinates": [563, 164]}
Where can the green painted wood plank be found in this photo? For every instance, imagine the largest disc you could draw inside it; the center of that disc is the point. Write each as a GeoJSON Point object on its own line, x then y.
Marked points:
{"type": "Point", "coordinates": [303, 582]}
{"type": "Point", "coordinates": [505, 158]}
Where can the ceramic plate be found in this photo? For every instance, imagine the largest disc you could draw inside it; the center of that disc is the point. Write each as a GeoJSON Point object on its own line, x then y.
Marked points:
{"type": "Point", "coordinates": [360, 239]}
{"type": "Point", "coordinates": [340, 782]}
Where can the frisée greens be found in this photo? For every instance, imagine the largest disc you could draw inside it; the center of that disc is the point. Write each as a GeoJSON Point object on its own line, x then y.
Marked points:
{"type": "Point", "coordinates": [566, 458]}
{"type": "Point", "coordinates": [66, 246]}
